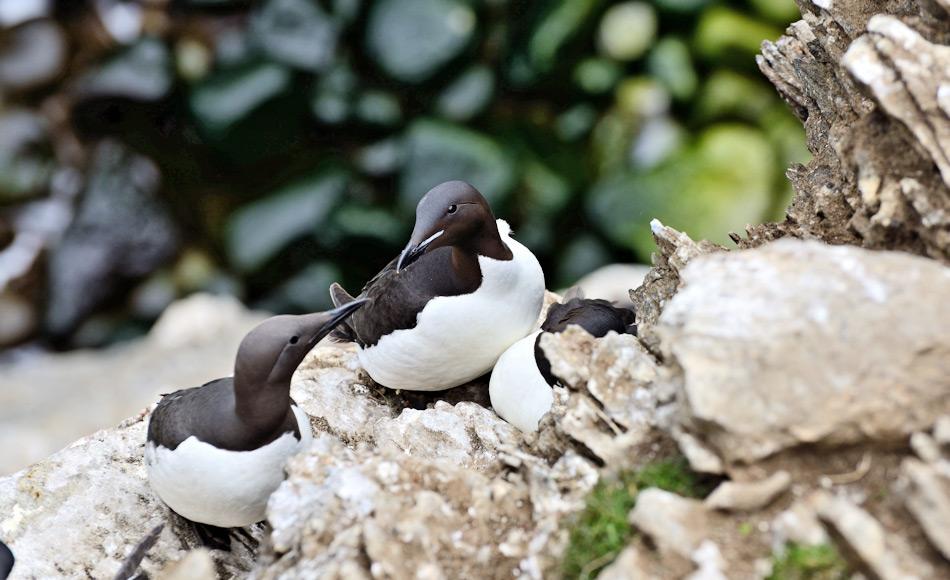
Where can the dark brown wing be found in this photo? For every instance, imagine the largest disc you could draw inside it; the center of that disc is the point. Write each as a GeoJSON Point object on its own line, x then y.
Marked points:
{"type": "Point", "coordinates": [598, 317]}
{"type": "Point", "coordinates": [207, 412]}
{"type": "Point", "coordinates": [398, 297]}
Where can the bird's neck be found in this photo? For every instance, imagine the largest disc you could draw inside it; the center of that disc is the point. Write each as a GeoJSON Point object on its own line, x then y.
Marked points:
{"type": "Point", "coordinates": [261, 404]}
{"type": "Point", "coordinates": [488, 243]}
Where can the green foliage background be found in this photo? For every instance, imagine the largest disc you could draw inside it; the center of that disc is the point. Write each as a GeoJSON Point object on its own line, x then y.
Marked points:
{"type": "Point", "coordinates": [294, 137]}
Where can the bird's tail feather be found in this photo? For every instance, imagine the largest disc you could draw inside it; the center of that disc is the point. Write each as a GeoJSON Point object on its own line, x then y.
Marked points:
{"type": "Point", "coordinates": [343, 331]}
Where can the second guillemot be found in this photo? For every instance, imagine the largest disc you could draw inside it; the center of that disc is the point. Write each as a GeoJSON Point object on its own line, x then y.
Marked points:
{"type": "Point", "coordinates": [215, 453]}
{"type": "Point", "coordinates": [6, 561]}
{"type": "Point", "coordinates": [460, 293]}
{"type": "Point", "coordinates": [520, 385]}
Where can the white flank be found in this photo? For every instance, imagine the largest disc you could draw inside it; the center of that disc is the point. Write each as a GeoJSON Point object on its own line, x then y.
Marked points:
{"type": "Point", "coordinates": [519, 393]}
{"type": "Point", "coordinates": [459, 338]}
{"type": "Point", "coordinates": [223, 488]}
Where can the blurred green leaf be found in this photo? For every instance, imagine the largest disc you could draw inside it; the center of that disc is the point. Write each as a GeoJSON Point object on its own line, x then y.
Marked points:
{"type": "Point", "coordinates": [721, 184]}
{"type": "Point", "coordinates": [256, 232]}
{"type": "Point", "coordinates": [778, 11]}
{"type": "Point", "coordinates": [584, 254]}
{"type": "Point", "coordinates": [642, 97]}
{"type": "Point", "coordinates": [297, 33]}
{"type": "Point", "coordinates": [439, 152]}
{"type": "Point", "coordinates": [332, 94]}
{"type": "Point", "coordinates": [561, 21]}
{"type": "Point", "coordinates": [722, 31]}
{"type": "Point", "coordinates": [370, 222]}
{"type": "Point", "coordinates": [225, 98]}
{"type": "Point", "coordinates": [597, 75]}
{"type": "Point", "coordinates": [548, 192]}
{"type": "Point", "coordinates": [305, 291]}
{"type": "Point", "coordinates": [670, 63]}
{"type": "Point", "coordinates": [26, 163]}
{"type": "Point", "coordinates": [627, 30]}
{"type": "Point", "coordinates": [682, 6]}
{"type": "Point", "coordinates": [141, 72]}
{"type": "Point", "coordinates": [468, 95]}
{"type": "Point", "coordinates": [727, 93]}
{"type": "Point", "coordinates": [412, 39]}
{"type": "Point", "coordinates": [381, 158]}
{"type": "Point", "coordinates": [576, 122]}
{"type": "Point", "coordinates": [378, 108]}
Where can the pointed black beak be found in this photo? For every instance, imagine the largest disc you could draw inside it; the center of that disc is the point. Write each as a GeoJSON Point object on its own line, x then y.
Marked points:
{"type": "Point", "coordinates": [414, 250]}
{"type": "Point", "coordinates": [325, 322]}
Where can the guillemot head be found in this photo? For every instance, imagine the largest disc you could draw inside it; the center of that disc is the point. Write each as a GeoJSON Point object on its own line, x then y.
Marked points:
{"type": "Point", "coordinates": [271, 352]}
{"type": "Point", "coordinates": [450, 214]}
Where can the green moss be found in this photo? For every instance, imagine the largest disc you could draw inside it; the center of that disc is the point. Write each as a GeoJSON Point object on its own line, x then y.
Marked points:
{"type": "Point", "coordinates": [820, 562]}
{"type": "Point", "coordinates": [601, 531]}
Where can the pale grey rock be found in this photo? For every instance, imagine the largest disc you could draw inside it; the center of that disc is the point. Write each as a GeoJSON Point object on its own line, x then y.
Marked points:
{"type": "Point", "coordinates": [677, 525]}
{"type": "Point", "coordinates": [925, 447]}
{"type": "Point", "coordinates": [820, 344]}
{"type": "Point", "coordinates": [799, 525]}
{"type": "Point", "coordinates": [40, 396]}
{"type": "Point", "coordinates": [709, 562]}
{"type": "Point", "coordinates": [700, 457]}
{"type": "Point", "coordinates": [614, 400]}
{"type": "Point", "coordinates": [942, 430]}
{"type": "Point", "coordinates": [466, 434]}
{"type": "Point", "coordinates": [749, 495]}
{"type": "Point", "coordinates": [197, 564]}
{"type": "Point", "coordinates": [383, 512]}
{"type": "Point", "coordinates": [629, 565]}
{"type": "Point", "coordinates": [339, 398]}
{"type": "Point", "coordinates": [909, 77]}
{"type": "Point", "coordinates": [79, 513]}
{"type": "Point", "coordinates": [927, 496]}
{"type": "Point", "coordinates": [863, 541]}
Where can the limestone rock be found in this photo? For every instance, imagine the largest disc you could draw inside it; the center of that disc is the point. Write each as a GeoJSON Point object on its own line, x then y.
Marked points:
{"type": "Point", "coordinates": [614, 397]}
{"type": "Point", "coordinates": [629, 565]}
{"type": "Point", "coordinates": [871, 90]}
{"type": "Point", "coordinates": [80, 512]}
{"type": "Point", "coordinates": [748, 495]}
{"type": "Point", "coordinates": [676, 249]}
{"type": "Point", "coordinates": [798, 342]}
{"type": "Point", "coordinates": [908, 77]}
{"type": "Point", "coordinates": [465, 434]}
{"type": "Point", "coordinates": [676, 525]}
{"type": "Point", "coordinates": [385, 513]}
{"type": "Point", "coordinates": [863, 541]}
{"type": "Point", "coordinates": [799, 525]}
{"type": "Point", "coordinates": [196, 565]}
{"type": "Point", "coordinates": [927, 496]}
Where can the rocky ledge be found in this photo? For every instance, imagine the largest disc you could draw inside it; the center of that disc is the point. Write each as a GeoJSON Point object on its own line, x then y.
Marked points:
{"type": "Point", "coordinates": [802, 389]}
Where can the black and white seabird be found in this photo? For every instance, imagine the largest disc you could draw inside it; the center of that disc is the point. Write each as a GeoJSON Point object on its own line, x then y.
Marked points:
{"type": "Point", "coordinates": [6, 561]}
{"type": "Point", "coordinates": [520, 384]}
{"type": "Point", "coordinates": [460, 293]}
{"type": "Point", "coordinates": [215, 453]}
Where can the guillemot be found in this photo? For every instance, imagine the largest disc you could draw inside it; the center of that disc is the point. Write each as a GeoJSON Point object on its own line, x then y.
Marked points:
{"type": "Point", "coordinates": [6, 561]}
{"type": "Point", "coordinates": [460, 293]}
{"type": "Point", "coordinates": [520, 384]}
{"type": "Point", "coordinates": [215, 453]}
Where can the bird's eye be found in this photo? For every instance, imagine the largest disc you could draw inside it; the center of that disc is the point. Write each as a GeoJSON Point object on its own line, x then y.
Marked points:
{"type": "Point", "coordinates": [294, 339]}
{"type": "Point", "coordinates": [453, 208]}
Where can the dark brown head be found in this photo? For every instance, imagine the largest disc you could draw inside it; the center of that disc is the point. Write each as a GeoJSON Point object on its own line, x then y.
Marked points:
{"type": "Point", "coordinates": [452, 214]}
{"type": "Point", "coordinates": [271, 352]}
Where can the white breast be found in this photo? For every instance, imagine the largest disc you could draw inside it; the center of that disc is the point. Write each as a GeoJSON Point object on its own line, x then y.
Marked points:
{"type": "Point", "coordinates": [459, 338]}
{"type": "Point", "coordinates": [519, 393]}
{"type": "Point", "coordinates": [223, 488]}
